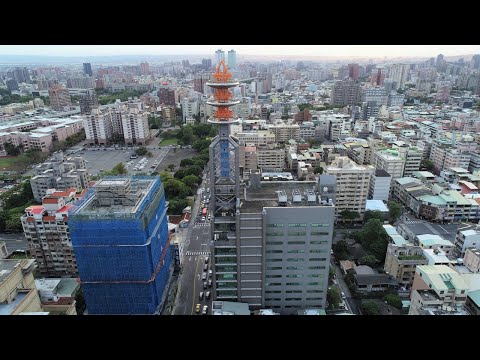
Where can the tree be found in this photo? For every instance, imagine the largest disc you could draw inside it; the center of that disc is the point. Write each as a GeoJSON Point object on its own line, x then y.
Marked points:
{"type": "Point", "coordinates": [171, 167]}
{"type": "Point", "coordinates": [369, 260]}
{"type": "Point", "coordinates": [374, 238]}
{"type": "Point", "coordinates": [340, 250]}
{"type": "Point", "coordinates": [318, 170]}
{"type": "Point", "coordinates": [141, 151]}
{"type": "Point", "coordinates": [118, 169]}
{"type": "Point", "coordinates": [191, 180]}
{"type": "Point", "coordinates": [11, 150]}
{"type": "Point", "coordinates": [375, 214]}
{"type": "Point", "coordinates": [428, 165]}
{"type": "Point", "coordinates": [186, 162]}
{"type": "Point", "coordinates": [370, 308]}
{"type": "Point", "coordinates": [333, 297]}
{"type": "Point", "coordinates": [165, 176]}
{"type": "Point", "coordinates": [393, 300]}
{"type": "Point", "coordinates": [175, 189]}
{"type": "Point", "coordinates": [394, 210]}
{"type": "Point", "coordinates": [349, 215]}
{"type": "Point", "coordinates": [331, 273]}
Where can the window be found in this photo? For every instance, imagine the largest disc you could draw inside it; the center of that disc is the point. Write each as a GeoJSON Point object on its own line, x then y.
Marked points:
{"type": "Point", "coordinates": [293, 299]}
{"type": "Point", "coordinates": [293, 291]}
{"type": "Point", "coordinates": [274, 268]}
{"type": "Point", "coordinates": [296, 242]}
{"type": "Point", "coordinates": [318, 233]}
{"type": "Point", "coordinates": [462, 292]}
{"type": "Point", "coordinates": [314, 298]}
{"type": "Point", "coordinates": [297, 233]}
{"type": "Point", "coordinates": [275, 225]}
{"type": "Point", "coordinates": [318, 251]}
{"type": "Point", "coordinates": [317, 259]}
{"type": "Point", "coordinates": [272, 292]}
{"type": "Point", "coordinates": [314, 283]}
{"type": "Point", "coordinates": [296, 251]}
{"type": "Point", "coordinates": [316, 267]}
{"type": "Point", "coordinates": [292, 284]}
{"type": "Point", "coordinates": [319, 225]}
{"type": "Point", "coordinates": [273, 284]}
{"type": "Point", "coordinates": [275, 233]}
{"type": "Point", "coordinates": [314, 291]}
{"type": "Point", "coordinates": [274, 251]}
{"type": "Point", "coordinates": [297, 225]}
{"type": "Point", "coordinates": [321, 242]}
{"type": "Point", "coordinates": [274, 242]}
{"type": "Point", "coordinates": [273, 276]}
{"type": "Point", "coordinates": [294, 275]}
{"type": "Point", "coordinates": [273, 299]}
{"type": "Point", "coordinates": [294, 267]}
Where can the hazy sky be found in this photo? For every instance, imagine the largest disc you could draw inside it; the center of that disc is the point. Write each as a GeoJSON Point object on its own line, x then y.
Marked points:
{"type": "Point", "coordinates": [268, 50]}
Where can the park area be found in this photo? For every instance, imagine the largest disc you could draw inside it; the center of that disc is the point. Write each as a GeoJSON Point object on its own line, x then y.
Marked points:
{"type": "Point", "coordinates": [7, 162]}
{"type": "Point", "coordinates": [166, 142]}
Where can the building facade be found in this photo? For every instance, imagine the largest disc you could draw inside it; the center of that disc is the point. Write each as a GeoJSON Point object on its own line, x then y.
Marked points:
{"type": "Point", "coordinates": [120, 236]}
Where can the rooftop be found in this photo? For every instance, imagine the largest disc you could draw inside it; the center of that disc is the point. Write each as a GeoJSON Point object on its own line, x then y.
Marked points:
{"type": "Point", "coordinates": [376, 205]}
{"type": "Point", "coordinates": [475, 296]}
{"type": "Point", "coordinates": [442, 277]}
{"type": "Point", "coordinates": [7, 309]}
{"type": "Point", "coordinates": [229, 308]}
{"type": "Point", "coordinates": [432, 239]}
{"type": "Point", "coordinates": [117, 197]}
{"type": "Point", "coordinates": [382, 173]}
{"type": "Point", "coordinates": [7, 267]}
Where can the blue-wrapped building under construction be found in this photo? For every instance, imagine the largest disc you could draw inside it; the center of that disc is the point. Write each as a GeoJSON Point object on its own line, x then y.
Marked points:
{"type": "Point", "coordinates": [119, 234]}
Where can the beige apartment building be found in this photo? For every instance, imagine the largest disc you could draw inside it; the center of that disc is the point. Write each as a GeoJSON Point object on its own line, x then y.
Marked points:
{"type": "Point", "coordinates": [17, 287]}
{"type": "Point", "coordinates": [352, 184]}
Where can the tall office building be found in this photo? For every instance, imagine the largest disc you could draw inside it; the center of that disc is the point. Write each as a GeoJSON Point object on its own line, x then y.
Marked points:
{"type": "Point", "coordinates": [59, 97]}
{"type": "Point", "coordinates": [12, 85]}
{"type": "Point", "coordinates": [120, 236]}
{"type": "Point", "coordinates": [144, 68]}
{"type": "Point", "coordinates": [219, 56]}
{"type": "Point", "coordinates": [346, 92]}
{"type": "Point", "coordinates": [87, 69]}
{"type": "Point", "coordinates": [271, 242]}
{"type": "Point", "coordinates": [206, 64]}
{"type": "Point", "coordinates": [88, 101]}
{"type": "Point", "coordinates": [199, 82]}
{"type": "Point", "coordinates": [232, 59]}
{"type": "Point", "coordinates": [21, 75]}
{"type": "Point", "coordinates": [475, 62]}
{"type": "Point", "coordinates": [398, 73]}
{"type": "Point", "coordinates": [166, 96]}
{"type": "Point", "coordinates": [353, 71]}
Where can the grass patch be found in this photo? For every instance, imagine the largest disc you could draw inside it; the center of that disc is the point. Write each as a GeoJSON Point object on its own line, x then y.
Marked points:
{"type": "Point", "coordinates": [166, 142]}
{"type": "Point", "coordinates": [6, 162]}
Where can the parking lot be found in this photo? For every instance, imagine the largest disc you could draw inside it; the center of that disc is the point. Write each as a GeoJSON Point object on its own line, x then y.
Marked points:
{"type": "Point", "coordinates": [103, 160]}
{"type": "Point", "coordinates": [175, 156]}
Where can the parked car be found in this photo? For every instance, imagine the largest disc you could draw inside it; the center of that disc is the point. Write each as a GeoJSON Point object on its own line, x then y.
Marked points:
{"type": "Point", "coordinates": [197, 308]}
{"type": "Point", "coordinates": [207, 295]}
{"type": "Point", "coordinates": [205, 285]}
{"type": "Point", "coordinates": [210, 273]}
{"type": "Point", "coordinates": [205, 310]}
{"type": "Point", "coordinates": [200, 296]}
{"type": "Point", "coordinates": [209, 282]}
{"type": "Point", "coordinates": [204, 276]}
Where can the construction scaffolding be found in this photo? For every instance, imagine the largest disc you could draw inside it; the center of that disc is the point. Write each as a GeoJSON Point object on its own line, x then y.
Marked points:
{"type": "Point", "coordinates": [120, 237]}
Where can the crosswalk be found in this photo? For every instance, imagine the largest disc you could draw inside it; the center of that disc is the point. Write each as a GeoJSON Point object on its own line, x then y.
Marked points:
{"type": "Point", "coordinates": [202, 224]}
{"type": "Point", "coordinates": [410, 222]}
{"type": "Point", "coordinates": [196, 253]}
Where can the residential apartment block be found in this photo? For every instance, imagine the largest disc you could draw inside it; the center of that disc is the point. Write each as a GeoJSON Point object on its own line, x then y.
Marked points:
{"type": "Point", "coordinates": [46, 230]}
{"type": "Point", "coordinates": [353, 182]}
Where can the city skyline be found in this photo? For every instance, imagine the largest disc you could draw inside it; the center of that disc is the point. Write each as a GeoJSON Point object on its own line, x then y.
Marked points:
{"type": "Point", "coordinates": [340, 51]}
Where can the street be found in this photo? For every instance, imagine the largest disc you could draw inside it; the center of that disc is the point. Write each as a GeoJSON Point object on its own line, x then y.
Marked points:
{"type": "Point", "coordinates": [342, 286]}
{"type": "Point", "coordinates": [197, 248]}
{"type": "Point", "coordinates": [14, 242]}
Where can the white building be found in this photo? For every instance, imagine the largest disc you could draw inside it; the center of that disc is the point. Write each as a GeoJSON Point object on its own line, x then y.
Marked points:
{"type": "Point", "coordinates": [467, 239]}
{"type": "Point", "coordinates": [398, 73]}
{"type": "Point", "coordinates": [379, 188]}
{"type": "Point", "coordinates": [390, 161]}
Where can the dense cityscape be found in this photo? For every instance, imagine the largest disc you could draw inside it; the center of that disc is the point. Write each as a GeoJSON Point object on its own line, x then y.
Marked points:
{"type": "Point", "coordinates": [225, 184]}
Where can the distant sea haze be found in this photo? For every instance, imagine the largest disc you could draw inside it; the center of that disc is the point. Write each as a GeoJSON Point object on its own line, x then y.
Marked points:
{"type": "Point", "coordinates": [160, 59]}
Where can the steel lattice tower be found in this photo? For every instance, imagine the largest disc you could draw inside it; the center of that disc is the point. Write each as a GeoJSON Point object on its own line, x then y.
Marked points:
{"type": "Point", "coordinates": [224, 180]}
{"type": "Point", "coordinates": [223, 150]}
